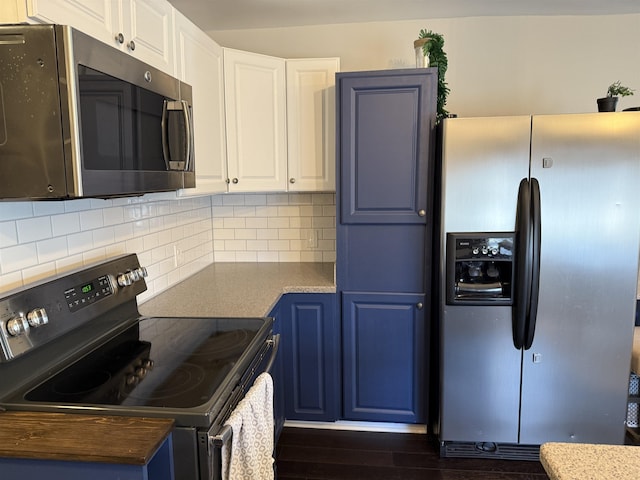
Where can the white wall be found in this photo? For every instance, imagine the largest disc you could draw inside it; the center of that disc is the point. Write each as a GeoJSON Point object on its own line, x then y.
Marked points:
{"type": "Point", "coordinates": [497, 65]}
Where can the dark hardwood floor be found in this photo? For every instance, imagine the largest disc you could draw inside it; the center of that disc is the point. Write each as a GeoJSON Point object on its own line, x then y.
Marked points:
{"type": "Point", "coordinates": [314, 454]}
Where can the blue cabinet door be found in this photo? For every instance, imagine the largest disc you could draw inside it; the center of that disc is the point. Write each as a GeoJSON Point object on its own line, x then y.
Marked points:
{"type": "Point", "coordinates": [384, 367]}
{"type": "Point", "coordinates": [310, 344]}
{"type": "Point", "coordinates": [385, 123]}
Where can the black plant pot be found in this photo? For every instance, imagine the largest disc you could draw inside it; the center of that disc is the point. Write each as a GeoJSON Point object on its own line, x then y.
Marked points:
{"type": "Point", "coordinates": [607, 104]}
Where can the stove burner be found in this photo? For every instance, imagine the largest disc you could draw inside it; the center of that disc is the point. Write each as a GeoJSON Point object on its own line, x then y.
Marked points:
{"type": "Point", "coordinates": [221, 345]}
{"type": "Point", "coordinates": [180, 381]}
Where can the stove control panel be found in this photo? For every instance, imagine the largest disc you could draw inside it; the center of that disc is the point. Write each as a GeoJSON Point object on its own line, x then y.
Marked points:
{"type": "Point", "coordinates": [84, 295]}
{"type": "Point", "coordinates": [33, 316]}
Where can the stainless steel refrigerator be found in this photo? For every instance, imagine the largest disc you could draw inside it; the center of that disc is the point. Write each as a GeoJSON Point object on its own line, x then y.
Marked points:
{"type": "Point", "coordinates": [540, 228]}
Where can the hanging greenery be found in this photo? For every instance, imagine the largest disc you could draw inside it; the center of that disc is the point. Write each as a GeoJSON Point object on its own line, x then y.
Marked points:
{"type": "Point", "coordinates": [437, 58]}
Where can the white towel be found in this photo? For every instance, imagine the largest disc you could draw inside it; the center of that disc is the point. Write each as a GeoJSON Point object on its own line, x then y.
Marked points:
{"type": "Point", "coordinates": [251, 454]}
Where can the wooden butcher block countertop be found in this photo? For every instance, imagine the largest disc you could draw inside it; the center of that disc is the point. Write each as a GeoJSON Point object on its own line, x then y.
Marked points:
{"type": "Point", "coordinates": [81, 438]}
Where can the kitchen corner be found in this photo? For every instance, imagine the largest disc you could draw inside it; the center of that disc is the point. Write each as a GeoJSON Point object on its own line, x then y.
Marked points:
{"type": "Point", "coordinates": [240, 289]}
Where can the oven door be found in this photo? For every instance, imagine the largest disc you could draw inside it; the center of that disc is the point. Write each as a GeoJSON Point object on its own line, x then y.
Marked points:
{"type": "Point", "coordinates": [210, 442]}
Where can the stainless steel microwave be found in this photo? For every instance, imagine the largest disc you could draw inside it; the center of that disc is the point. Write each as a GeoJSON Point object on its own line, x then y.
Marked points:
{"type": "Point", "coordinates": [79, 118]}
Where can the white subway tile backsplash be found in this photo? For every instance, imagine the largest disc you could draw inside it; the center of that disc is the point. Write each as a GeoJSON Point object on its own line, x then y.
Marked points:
{"type": "Point", "coordinates": [47, 208]}
{"type": "Point", "coordinates": [51, 249]}
{"type": "Point", "coordinates": [265, 256]}
{"type": "Point", "coordinates": [231, 222]}
{"type": "Point", "coordinates": [289, 227]}
{"type": "Point", "coordinates": [8, 234]}
{"type": "Point", "coordinates": [33, 229]}
{"type": "Point", "coordinates": [65, 224]}
{"type": "Point", "coordinates": [91, 219]}
{"type": "Point", "coordinates": [79, 242]}
{"type": "Point", "coordinates": [173, 237]}
{"type": "Point", "coordinates": [289, 211]}
{"type": "Point", "coordinates": [15, 210]}
{"type": "Point", "coordinates": [278, 222]}
{"type": "Point", "coordinates": [18, 257]}
{"type": "Point", "coordinates": [267, 234]}
{"type": "Point", "coordinates": [11, 281]}
{"type": "Point", "coordinates": [39, 240]}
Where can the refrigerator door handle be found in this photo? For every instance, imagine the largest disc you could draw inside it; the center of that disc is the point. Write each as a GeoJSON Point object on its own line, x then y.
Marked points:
{"type": "Point", "coordinates": [536, 224]}
{"type": "Point", "coordinates": [522, 291]}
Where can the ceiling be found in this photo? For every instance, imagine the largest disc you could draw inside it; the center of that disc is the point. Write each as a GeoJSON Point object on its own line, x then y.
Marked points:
{"type": "Point", "coordinates": [246, 14]}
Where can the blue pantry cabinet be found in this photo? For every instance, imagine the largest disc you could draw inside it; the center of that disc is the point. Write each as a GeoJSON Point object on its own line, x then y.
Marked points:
{"type": "Point", "coordinates": [385, 144]}
{"type": "Point", "coordinates": [309, 349]}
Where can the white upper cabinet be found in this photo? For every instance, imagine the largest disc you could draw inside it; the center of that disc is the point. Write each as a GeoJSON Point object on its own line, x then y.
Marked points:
{"type": "Point", "coordinates": [144, 28]}
{"type": "Point", "coordinates": [147, 27]}
{"type": "Point", "coordinates": [311, 123]}
{"type": "Point", "coordinates": [199, 62]}
{"type": "Point", "coordinates": [255, 105]}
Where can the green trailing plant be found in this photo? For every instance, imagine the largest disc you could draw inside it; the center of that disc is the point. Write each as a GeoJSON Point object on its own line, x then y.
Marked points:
{"type": "Point", "coordinates": [618, 90]}
{"type": "Point", "coordinates": [437, 58]}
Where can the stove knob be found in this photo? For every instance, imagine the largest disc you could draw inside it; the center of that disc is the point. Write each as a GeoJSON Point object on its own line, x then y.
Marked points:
{"type": "Point", "coordinates": [17, 326]}
{"type": "Point", "coordinates": [135, 276]}
{"type": "Point", "coordinates": [142, 271]}
{"type": "Point", "coordinates": [132, 380]}
{"type": "Point", "coordinates": [148, 364]}
{"type": "Point", "coordinates": [140, 372]}
{"type": "Point", "coordinates": [124, 280]}
{"type": "Point", "coordinates": [37, 317]}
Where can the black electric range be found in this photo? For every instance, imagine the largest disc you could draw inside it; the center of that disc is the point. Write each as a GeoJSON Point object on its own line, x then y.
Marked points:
{"type": "Point", "coordinates": [77, 343]}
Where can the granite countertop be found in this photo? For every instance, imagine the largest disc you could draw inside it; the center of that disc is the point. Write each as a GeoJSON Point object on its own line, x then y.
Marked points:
{"type": "Point", "coordinates": [239, 289]}
{"type": "Point", "coordinates": [575, 461]}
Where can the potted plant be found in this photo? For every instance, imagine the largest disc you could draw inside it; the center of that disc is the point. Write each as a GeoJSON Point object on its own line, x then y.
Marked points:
{"type": "Point", "coordinates": [433, 49]}
{"type": "Point", "coordinates": [615, 90]}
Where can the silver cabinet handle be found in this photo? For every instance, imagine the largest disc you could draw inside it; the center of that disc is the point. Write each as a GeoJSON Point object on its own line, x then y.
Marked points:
{"type": "Point", "coordinates": [419, 305]}
{"type": "Point", "coordinates": [422, 213]}
{"type": "Point", "coordinates": [120, 38]}
{"type": "Point", "coordinates": [228, 180]}
{"type": "Point", "coordinates": [131, 45]}
{"type": "Point", "coordinates": [235, 180]}
{"type": "Point", "coordinates": [292, 180]}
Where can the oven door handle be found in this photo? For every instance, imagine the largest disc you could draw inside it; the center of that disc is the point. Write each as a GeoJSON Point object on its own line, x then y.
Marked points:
{"type": "Point", "coordinates": [222, 437]}
{"type": "Point", "coordinates": [275, 341]}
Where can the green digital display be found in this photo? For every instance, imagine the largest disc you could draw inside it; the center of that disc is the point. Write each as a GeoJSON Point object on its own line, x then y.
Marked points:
{"type": "Point", "coordinates": [87, 288]}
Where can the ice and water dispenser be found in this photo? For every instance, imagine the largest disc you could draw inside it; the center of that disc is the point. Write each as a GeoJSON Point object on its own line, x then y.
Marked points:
{"type": "Point", "coordinates": [480, 268]}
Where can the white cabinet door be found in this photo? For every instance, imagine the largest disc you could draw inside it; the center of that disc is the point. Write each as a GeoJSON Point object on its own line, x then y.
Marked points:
{"type": "Point", "coordinates": [199, 62]}
{"type": "Point", "coordinates": [255, 106]}
{"type": "Point", "coordinates": [311, 123]}
{"type": "Point", "coordinates": [143, 28]}
{"type": "Point", "coordinates": [98, 18]}
{"type": "Point", "coordinates": [148, 32]}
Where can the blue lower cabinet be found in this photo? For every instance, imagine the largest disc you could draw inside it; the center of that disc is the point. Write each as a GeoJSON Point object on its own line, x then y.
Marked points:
{"type": "Point", "coordinates": [384, 365]}
{"type": "Point", "coordinates": [310, 354]}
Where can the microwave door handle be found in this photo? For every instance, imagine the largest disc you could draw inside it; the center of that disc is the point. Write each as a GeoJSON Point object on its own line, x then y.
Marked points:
{"type": "Point", "coordinates": [173, 106]}
{"type": "Point", "coordinates": [188, 131]}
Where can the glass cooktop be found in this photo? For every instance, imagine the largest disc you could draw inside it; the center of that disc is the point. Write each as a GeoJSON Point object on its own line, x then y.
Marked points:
{"type": "Point", "coordinates": [159, 362]}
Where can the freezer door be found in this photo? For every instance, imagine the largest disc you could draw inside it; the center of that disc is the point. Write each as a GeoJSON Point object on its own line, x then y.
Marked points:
{"type": "Point", "coordinates": [575, 375]}
{"type": "Point", "coordinates": [484, 160]}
